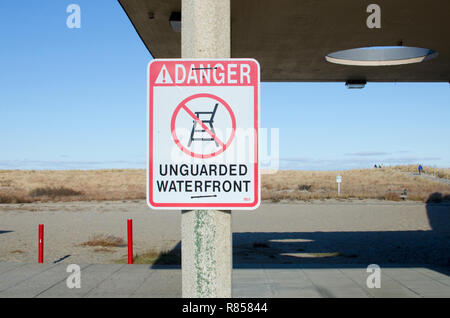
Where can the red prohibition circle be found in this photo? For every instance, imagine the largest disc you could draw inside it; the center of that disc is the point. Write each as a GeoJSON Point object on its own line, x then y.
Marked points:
{"type": "Point", "coordinates": [182, 105]}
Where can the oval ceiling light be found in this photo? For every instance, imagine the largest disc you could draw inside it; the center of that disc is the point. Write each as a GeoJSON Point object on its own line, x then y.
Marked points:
{"type": "Point", "coordinates": [381, 56]}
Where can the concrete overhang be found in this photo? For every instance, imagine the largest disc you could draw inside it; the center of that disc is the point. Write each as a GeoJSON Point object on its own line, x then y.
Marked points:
{"type": "Point", "coordinates": [290, 38]}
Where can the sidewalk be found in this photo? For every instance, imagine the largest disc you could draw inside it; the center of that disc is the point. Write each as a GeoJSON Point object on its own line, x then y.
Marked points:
{"type": "Point", "coordinates": [98, 280]}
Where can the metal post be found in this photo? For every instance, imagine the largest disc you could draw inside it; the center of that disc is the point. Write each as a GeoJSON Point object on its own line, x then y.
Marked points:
{"type": "Point", "coordinates": [206, 237]}
{"type": "Point", "coordinates": [41, 244]}
{"type": "Point", "coordinates": [130, 241]}
{"type": "Point", "coordinates": [339, 189]}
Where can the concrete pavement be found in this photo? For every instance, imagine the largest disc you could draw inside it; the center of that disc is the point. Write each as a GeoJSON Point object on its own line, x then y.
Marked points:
{"type": "Point", "coordinates": [251, 280]}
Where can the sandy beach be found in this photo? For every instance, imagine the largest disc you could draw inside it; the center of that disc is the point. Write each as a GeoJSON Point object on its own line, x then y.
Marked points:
{"type": "Point", "coordinates": [329, 231]}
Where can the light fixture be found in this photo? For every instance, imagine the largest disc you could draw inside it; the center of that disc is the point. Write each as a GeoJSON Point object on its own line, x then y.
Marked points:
{"type": "Point", "coordinates": [381, 56]}
{"type": "Point", "coordinates": [353, 84]}
{"type": "Point", "coordinates": [175, 21]}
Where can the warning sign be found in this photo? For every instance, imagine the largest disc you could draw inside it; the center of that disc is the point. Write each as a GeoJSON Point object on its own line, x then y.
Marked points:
{"type": "Point", "coordinates": [164, 77]}
{"type": "Point", "coordinates": [201, 125]}
{"type": "Point", "coordinates": [203, 121]}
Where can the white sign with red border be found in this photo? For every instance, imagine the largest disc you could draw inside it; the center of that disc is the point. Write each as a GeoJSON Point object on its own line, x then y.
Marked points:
{"type": "Point", "coordinates": [203, 121]}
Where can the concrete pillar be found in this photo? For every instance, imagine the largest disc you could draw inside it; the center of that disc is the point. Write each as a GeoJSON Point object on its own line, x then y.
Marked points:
{"type": "Point", "coordinates": [205, 29]}
{"type": "Point", "coordinates": [206, 237]}
{"type": "Point", "coordinates": [206, 253]}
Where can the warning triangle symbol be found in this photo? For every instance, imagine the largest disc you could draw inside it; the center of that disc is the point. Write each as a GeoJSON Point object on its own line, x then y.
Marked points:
{"type": "Point", "coordinates": [164, 77]}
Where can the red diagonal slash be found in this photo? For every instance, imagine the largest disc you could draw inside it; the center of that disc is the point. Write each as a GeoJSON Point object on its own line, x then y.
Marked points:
{"type": "Point", "coordinates": [214, 136]}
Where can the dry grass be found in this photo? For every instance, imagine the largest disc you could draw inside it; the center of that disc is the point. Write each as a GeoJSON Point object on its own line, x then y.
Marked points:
{"type": "Point", "coordinates": [438, 172]}
{"type": "Point", "coordinates": [54, 192]}
{"type": "Point", "coordinates": [8, 196]}
{"type": "Point", "coordinates": [384, 184]}
{"type": "Point", "coordinates": [25, 186]}
{"type": "Point", "coordinates": [104, 240]}
{"type": "Point", "coordinates": [103, 250]}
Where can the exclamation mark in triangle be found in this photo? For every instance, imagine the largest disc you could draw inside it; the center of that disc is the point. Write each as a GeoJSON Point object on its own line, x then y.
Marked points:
{"type": "Point", "coordinates": [164, 76]}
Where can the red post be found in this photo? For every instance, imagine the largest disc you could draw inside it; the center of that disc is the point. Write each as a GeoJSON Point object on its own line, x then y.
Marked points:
{"type": "Point", "coordinates": [41, 243]}
{"type": "Point", "coordinates": [130, 241]}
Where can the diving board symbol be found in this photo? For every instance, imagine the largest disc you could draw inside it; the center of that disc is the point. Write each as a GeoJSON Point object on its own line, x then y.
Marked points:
{"type": "Point", "coordinates": [164, 76]}
{"type": "Point", "coordinates": [197, 122]}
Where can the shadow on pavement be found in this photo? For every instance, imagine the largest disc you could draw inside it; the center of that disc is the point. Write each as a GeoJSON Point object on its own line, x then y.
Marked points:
{"type": "Point", "coordinates": [327, 249]}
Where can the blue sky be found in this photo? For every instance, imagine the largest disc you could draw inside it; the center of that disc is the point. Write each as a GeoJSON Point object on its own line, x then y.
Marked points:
{"type": "Point", "coordinates": [76, 99]}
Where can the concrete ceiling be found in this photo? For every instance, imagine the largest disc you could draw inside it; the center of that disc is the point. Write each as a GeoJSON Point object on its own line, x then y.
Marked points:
{"type": "Point", "coordinates": [290, 38]}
